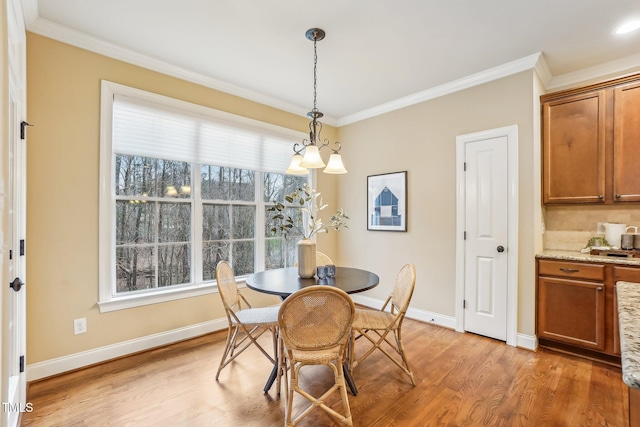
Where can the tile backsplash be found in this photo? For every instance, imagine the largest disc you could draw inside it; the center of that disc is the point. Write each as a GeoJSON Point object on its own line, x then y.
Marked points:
{"type": "Point", "coordinates": [570, 227]}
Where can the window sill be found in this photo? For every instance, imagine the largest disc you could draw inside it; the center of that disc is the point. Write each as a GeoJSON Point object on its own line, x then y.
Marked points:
{"type": "Point", "coordinates": [165, 295]}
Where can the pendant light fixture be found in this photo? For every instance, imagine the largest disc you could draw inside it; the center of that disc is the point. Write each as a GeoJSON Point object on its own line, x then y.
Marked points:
{"type": "Point", "coordinates": [307, 154]}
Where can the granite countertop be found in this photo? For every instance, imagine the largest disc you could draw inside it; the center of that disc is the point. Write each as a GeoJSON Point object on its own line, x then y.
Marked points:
{"type": "Point", "coordinates": [629, 320]}
{"type": "Point", "coordinates": [579, 256]}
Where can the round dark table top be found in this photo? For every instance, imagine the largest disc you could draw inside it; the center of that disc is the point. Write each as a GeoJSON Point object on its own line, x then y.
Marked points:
{"type": "Point", "coordinates": [285, 281]}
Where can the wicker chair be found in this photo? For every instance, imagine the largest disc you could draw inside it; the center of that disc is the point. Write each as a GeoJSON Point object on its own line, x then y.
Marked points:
{"type": "Point", "coordinates": [246, 325]}
{"type": "Point", "coordinates": [376, 326]}
{"type": "Point", "coordinates": [315, 324]}
{"type": "Point", "coordinates": [323, 259]}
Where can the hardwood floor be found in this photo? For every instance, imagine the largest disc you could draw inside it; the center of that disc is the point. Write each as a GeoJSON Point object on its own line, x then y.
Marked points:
{"type": "Point", "coordinates": [462, 380]}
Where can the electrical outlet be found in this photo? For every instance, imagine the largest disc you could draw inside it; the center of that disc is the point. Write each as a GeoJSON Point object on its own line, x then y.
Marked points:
{"type": "Point", "coordinates": [80, 326]}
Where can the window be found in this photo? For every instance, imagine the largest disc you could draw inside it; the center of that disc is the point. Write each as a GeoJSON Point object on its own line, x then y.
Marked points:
{"type": "Point", "coordinates": [182, 188]}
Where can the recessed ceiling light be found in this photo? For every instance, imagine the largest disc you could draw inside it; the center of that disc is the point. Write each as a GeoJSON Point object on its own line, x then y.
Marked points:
{"type": "Point", "coordinates": [628, 27]}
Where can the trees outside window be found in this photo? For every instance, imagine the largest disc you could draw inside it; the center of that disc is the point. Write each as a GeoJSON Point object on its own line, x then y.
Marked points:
{"type": "Point", "coordinates": [156, 209]}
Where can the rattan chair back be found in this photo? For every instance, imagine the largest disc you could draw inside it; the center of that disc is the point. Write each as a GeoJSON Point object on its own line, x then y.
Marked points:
{"type": "Point", "coordinates": [316, 318]}
{"type": "Point", "coordinates": [403, 288]}
{"type": "Point", "coordinates": [323, 259]}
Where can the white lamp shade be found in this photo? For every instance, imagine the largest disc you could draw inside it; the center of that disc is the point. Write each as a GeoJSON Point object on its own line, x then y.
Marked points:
{"type": "Point", "coordinates": [312, 158]}
{"type": "Point", "coordinates": [335, 165]}
{"type": "Point", "coordinates": [295, 168]}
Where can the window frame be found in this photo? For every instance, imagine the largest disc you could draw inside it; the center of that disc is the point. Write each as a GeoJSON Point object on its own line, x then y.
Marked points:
{"type": "Point", "coordinates": [107, 299]}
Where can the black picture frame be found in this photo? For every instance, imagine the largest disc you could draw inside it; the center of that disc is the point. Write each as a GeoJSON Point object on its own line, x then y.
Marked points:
{"type": "Point", "coordinates": [387, 202]}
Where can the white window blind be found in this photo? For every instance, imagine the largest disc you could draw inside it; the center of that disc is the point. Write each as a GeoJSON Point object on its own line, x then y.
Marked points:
{"type": "Point", "coordinates": [145, 129]}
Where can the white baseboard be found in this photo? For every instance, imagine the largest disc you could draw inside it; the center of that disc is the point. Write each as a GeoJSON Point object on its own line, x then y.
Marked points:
{"type": "Point", "coordinates": [59, 365]}
{"type": "Point", "coordinates": [412, 313]}
{"type": "Point", "coordinates": [527, 342]}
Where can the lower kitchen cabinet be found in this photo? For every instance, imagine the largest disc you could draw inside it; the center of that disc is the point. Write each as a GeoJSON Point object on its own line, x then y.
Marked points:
{"type": "Point", "coordinates": [576, 308]}
{"type": "Point", "coordinates": [571, 311]}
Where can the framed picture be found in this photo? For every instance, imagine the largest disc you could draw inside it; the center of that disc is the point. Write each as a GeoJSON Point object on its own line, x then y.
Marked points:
{"type": "Point", "coordinates": [387, 202]}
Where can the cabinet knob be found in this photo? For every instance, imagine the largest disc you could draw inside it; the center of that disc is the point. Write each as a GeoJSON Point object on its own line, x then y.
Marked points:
{"type": "Point", "coordinates": [600, 196]}
{"type": "Point", "coordinates": [618, 196]}
{"type": "Point", "coordinates": [599, 288]}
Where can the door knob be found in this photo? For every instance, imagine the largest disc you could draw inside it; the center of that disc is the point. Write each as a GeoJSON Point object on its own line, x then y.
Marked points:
{"type": "Point", "coordinates": [500, 248]}
{"type": "Point", "coordinates": [17, 284]}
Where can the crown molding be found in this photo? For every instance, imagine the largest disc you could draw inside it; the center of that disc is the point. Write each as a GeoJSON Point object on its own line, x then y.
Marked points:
{"type": "Point", "coordinates": [618, 68]}
{"type": "Point", "coordinates": [81, 40]}
{"type": "Point", "coordinates": [542, 69]}
{"type": "Point", "coordinates": [476, 79]}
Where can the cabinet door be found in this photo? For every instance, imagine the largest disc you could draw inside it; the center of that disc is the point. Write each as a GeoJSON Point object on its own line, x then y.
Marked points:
{"type": "Point", "coordinates": [572, 312]}
{"type": "Point", "coordinates": [574, 149]}
{"type": "Point", "coordinates": [626, 143]}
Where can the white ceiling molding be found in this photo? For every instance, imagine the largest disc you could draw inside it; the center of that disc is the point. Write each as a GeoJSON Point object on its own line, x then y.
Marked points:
{"type": "Point", "coordinates": [30, 11]}
{"type": "Point", "coordinates": [616, 68]}
{"type": "Point", "coordinates": [542, 69]}
{"type": "Point", "coordinates": [75, 38]}
{"type": "Point", "coordinates": [513, 67]}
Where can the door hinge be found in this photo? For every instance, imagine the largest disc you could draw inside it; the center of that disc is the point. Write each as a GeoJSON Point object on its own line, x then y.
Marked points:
{"type": "Point", "coordinates": [23, 126]}
{"type": "Point", "coordinates": [464, 303]}
{"type": "Point", "coordinates": [464, 236]}
{"type": "Point", "coordinates": [10, 253]}
{"type": "Point", "coordinates": [21, 363]}
{"type": "Point", "coordinates": [464, 166]}
{"type": "Point", "coordinates": [22, 247]}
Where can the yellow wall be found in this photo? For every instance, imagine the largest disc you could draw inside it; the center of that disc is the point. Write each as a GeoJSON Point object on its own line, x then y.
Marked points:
{"type": "Point", "coordinates": [62, 199]}
{"type": "Point", "coordinates": [421, 139]}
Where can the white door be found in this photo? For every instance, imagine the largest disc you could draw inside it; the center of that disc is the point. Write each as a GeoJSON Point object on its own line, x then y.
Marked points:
{"type": "Point", "coordinates": [13, 238]}
{"type": "Point", "coordinates": [16, 292]}
{"type": "Point", "coordinates": [486, 219]}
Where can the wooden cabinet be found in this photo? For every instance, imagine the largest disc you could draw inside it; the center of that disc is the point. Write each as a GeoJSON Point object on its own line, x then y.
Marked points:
{"type": "Point", "coordinates": [626, 143]}
{"type": "Point", "coordinates": [576, 306]}
{"type": "Point", "coordinates": [590, 137]}
{"type": "Point", "coordinates": [570, 309]}
{"type": "Point", "coordinates": [634, 407]}
{"type": "Point", "coordinates": [574, 144]}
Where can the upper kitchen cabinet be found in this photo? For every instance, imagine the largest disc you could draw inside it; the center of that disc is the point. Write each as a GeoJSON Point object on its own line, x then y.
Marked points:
{"type": "Point", "coordinates": [574, 149]}
{"type": "Point", "coordinates": [626, 143]}
{"type": "Point", "coordinates": [590, 138]}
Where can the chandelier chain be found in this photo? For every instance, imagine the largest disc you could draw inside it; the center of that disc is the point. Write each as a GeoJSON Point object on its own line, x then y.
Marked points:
{"type": "Point", "coordinates": [315, 74]}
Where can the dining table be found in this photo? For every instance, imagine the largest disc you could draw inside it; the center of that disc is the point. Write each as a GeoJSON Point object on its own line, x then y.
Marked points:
{"type": "Point", "coordinates": [285, 281]}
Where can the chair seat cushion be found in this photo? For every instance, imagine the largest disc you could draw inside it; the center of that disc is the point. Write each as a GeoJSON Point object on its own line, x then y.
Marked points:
{"type": "Point", "coordinates": [259, 316]}
{"type": "Point", "coordinates": [372, 319]}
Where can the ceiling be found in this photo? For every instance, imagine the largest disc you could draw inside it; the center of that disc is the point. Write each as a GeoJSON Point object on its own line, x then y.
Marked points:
{"type": "Point", "coordinates": [376, 54]}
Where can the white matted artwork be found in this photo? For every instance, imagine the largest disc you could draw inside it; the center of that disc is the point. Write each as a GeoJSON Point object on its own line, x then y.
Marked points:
{"type": "Point", "coordinates": [387, 202]}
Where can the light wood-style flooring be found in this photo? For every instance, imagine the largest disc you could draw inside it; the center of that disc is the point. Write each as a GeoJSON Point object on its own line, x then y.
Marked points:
{"type": "Point", "coordinates": [462, 380]}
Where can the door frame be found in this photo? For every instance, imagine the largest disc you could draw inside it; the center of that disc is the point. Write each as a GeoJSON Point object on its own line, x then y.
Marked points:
{"type": "Point", "coordinates": [15, 344]}
{"type": "Point", "coordinates": [511, 133]}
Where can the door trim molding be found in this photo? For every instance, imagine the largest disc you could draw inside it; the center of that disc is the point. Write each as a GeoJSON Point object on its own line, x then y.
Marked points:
{"type": "Point", "coordinates": [511, 132]}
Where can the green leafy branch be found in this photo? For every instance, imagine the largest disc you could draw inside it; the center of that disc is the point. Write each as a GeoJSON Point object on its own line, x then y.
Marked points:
{"type": "Point", "coordinates": [306, 202]}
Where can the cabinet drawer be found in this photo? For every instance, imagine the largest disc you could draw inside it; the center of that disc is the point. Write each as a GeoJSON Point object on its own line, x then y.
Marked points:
{"type": "Point", "coordinates": [626, 274]}
{"type": "Point", "coordinates": [568, 269]}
